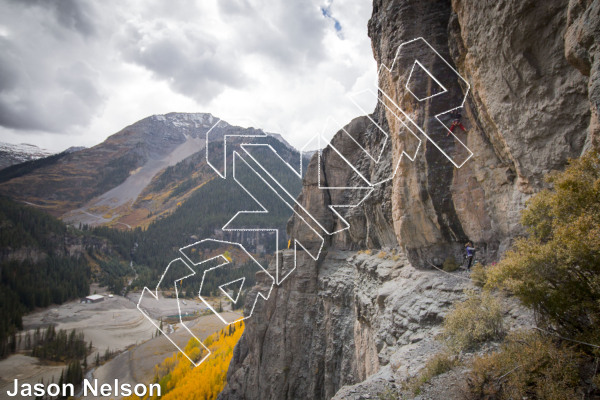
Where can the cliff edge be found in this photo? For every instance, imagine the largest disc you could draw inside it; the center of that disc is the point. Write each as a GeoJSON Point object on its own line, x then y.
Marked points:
{"type": "Point", "coordinates": [360, 314]}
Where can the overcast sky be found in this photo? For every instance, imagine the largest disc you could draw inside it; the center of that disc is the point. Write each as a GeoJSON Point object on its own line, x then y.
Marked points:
{"type": "Point", "coordinates": [73, 72]}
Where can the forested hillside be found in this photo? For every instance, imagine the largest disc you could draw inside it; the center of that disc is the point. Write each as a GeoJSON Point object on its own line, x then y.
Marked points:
{"type": "Point", "coordinates": [36, 267]}
{"type": "Point", "coordinates": [44, 262]}
{"type": "Point", "coordinates": [203, 215]}
{"type": "Point", "coordinates": [26, 167]}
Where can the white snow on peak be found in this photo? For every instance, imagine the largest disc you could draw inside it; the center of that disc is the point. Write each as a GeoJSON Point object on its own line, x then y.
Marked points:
{"type": "Point", "coordinates": [11, 154]}
{"type": "Point", "coordinates": [188, 120]}
{"type": "Point", "coordinates": [24, 148]}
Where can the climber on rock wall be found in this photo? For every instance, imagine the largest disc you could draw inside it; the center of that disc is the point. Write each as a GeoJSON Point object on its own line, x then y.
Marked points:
{"type": "Point", "coordinates": [470, 253]}
{"type": "Point", "coordinates": [456, 115]}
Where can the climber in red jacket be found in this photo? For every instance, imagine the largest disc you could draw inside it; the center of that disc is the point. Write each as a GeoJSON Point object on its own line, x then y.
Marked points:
{"type": "Point", "coordinates": [456, 122]}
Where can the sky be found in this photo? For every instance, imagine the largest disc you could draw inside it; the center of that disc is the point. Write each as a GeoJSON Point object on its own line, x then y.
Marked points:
{"type": "Point", "coordinates": [73, 72]}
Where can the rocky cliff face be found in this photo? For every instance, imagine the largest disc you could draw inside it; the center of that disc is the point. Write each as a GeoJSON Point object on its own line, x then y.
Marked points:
{"type": "Point", "coordinates": [533, 71]}
{"type": "Point", "coordinates": [527, 112]}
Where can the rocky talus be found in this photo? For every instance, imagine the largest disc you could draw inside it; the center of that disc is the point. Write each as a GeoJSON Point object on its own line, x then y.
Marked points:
{"type": "Point", "coordinates": [350, 323]}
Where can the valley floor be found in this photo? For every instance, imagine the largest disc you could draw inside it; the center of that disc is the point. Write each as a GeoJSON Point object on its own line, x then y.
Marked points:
{"type": "Point", "coordinates": [115, 324]}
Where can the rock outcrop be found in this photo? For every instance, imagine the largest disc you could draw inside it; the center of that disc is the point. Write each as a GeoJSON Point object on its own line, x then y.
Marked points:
{"type": "Point", "coordinates": [582, 37]}
{"type": "Point", "coordinates": [533, 103]}
{"type": "Point", "coordinates": [526, 114]}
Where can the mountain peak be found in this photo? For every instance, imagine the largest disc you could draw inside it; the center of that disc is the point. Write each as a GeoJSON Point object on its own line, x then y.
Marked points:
{"type": "Point", "coordinates": [11, 154]}
{"type": "Point", "coordinates": [184, 116]}
{"type": "Point", "coordinates": [191, 121]}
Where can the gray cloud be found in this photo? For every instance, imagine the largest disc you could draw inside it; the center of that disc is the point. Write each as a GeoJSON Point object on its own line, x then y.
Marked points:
{"type": "Point", "coordinates": [46, 83]}
{"type": "Point", "coordinates": [9, 73]}
{"type": "Point", "coordinates": [202, 63]}
{"type": "Point", "coordinates": [74, 14]}
{"type": "Point", "coordinates": [71, 14]}
{"type": "Point", "coordinates": [191, 63]}
{"type": "Point", "coordinates": [74, 100]}
{"type": "Point", "coordinates": [235, 7]}
{"type": "Point", "coordinates": [63, 63]}
{"type": "Point", "coordinates": [290, 33]}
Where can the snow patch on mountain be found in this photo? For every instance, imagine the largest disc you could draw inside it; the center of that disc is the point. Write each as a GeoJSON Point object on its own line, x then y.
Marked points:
{"type": "Point", "coordinates": [11, 154]}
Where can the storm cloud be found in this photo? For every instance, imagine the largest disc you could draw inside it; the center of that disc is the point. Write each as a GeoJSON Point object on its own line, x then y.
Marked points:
{"type": "Point", "coordinates": [46, 80]}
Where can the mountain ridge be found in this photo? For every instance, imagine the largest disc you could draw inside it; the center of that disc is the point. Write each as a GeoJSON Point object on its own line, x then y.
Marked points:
{"type": "Point", "coordinates": [11, 154]}
{"type": "Point", "coordinates": [95, 185]}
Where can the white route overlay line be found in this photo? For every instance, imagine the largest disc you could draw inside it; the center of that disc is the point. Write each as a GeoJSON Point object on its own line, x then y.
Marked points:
{"type": "Point", "coordinates": [368, 187]}
{"type": "Point", "coordinates": [224, 174]}
{"type": "Point", "coordinates": [155, 296]}
{"type": "Point", "coordinates": [430, 75]}
{"type": "Point", "coordinates": [241, 212]}
{"type": "Point", "coordinates": [292, 202]}
{"type": "Point", "coordinates": [401, 120]}
{"type": "Point", "coordinates": [225, 262]}
{"type": "Point", "coordinates": [263, 135]}
{"type": "Point", "coordinates": [237, 156]}
{"type": "Point", "coordinates": [243, 279]}
{"type": "Point", "coordinates": [389, 70]}
{"type": "Point", "coordinates": [293, 198]}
